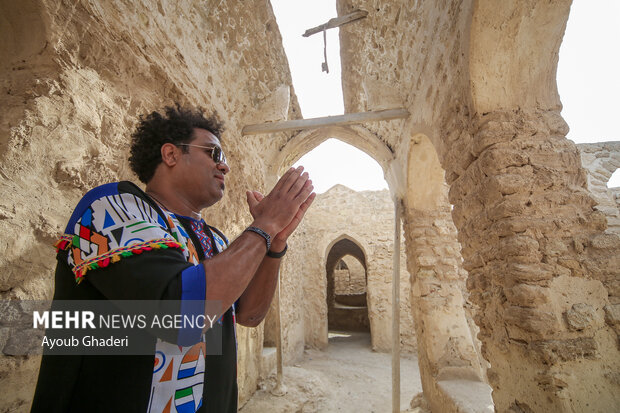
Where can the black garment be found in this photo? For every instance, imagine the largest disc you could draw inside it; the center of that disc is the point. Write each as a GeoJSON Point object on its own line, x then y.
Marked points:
{"type": "Point", "coordinates": [88, 383]}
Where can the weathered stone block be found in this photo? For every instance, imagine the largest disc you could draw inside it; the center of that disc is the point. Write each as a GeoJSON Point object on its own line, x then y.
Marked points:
{"type": "Point", "coordinates": [580, 316]}
{"type": "Point", "coordinates": [426, 273]}
{"type": "Point", "coordinates": [580, 242]}
{"type": "Point", "coordinates": [491, 133]}
{"type": "Point", "coordinates": [525, 295]}
{"type": "Point", "coordinates": [518, 245]}
{"type": "Point", "coordinates": [554, 160]}
{"type": "Point", "coordinates": [553, 351]}
{"type": "Point", "coordinates": [612, 314]}
{"type": "Point", "coordinates": [524, 273]}
{"type": "Point", "coordinates": [427, 260]}
{"type": "Point", "coordinates": [509, 226]}
{"type": "Point", "coordinates": [509, 207]}
{"type": "Point", "coordinates": [540, 323]}
{"type": "Point", "coordinates": [495, 159]}
{"type": "Point", "coordinates": [574, 266]}
{"type": "Point", "coordinates": [555, 247]}
{"type": "Point", "coordinates": [512, 183]}
{"type": "Point", "coordinates": [606, 241]}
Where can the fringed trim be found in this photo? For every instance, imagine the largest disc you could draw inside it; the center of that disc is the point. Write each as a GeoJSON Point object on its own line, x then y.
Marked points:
{"type": "Point", "coordinates": [63, 243]}
{"type": "Point", "coordinates": [103, 260]}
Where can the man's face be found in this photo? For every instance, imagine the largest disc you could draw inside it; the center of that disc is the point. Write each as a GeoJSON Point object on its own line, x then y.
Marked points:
{"type": "Point", "coordinates": [201, 178]}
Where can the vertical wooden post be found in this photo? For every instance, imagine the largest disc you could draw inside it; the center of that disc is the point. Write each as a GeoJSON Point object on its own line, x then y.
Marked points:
{"type": "Point", "coordinates": [278, 337]}
{"type": "Point", "coordinates": [396, 311]}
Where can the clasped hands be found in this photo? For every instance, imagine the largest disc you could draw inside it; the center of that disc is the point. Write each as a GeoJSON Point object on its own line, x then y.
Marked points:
{"type": "Point", "coordinates": [280, 212]}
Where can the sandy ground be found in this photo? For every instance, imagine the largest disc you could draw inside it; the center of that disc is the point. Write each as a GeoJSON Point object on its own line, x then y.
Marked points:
{"type": "Point", "coordinates": [348, 377]}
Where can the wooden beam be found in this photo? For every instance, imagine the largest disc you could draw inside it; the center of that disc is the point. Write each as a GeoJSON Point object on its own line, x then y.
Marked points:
{"type": "Point", "coordinates": [347, 119]}
{"type": "Point", "coordinates": [279, 389]}
{"type": "Point", "coordinates": [396, 310]}
{"type": "Point", "coordinates": [337, 22]}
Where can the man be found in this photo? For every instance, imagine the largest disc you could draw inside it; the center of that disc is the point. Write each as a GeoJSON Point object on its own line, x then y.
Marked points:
{"type": "Point", "coordinates": [125, 244]}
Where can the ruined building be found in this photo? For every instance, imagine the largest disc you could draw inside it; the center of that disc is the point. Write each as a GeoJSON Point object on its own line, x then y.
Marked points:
{"type": "Point", "coordinates": [495, 200]}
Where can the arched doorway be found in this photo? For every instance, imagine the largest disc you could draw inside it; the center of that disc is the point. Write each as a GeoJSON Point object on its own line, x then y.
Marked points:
{"type": "Point", "coordinates": [347, 307]}
{"type": "Point", "coordinates": [315, 323]}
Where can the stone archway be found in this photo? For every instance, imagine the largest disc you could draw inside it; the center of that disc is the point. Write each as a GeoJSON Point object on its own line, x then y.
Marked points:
{"type": "Point", "coordinates": [442, 331]}
{"type": "Point", "coordinates": [355, 135]}
{"type": "Point", "coordinates": [347, 308]}
{"type": "Point", "coordinates": [316, 324]}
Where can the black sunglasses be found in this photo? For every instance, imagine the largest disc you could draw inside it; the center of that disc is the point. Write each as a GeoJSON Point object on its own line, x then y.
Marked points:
{"type": "Point", "coordinates": [217, 154]}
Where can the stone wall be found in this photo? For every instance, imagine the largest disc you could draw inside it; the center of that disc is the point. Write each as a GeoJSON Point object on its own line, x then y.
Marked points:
{"type": "Point", "coordinates": [543, 255]}
{"type": "Point", "coordinates": [75, 77]}
{"type": "Point", "coordinates": [537, 257]}
{"type": "Point", "coordinates": [351, 280]}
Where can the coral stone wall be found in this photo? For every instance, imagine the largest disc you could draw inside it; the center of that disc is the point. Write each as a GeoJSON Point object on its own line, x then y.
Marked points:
{"type": "Point", "coordinates": [414, 55]}
{"type": "Point", "coordinates": [75, 77]}
{"type": "Point", "coordinates": [538, 260]}
{"type": "Point", "coordinates": [448, 351]}
{"type": "Point", "coordinates": [536, 247]}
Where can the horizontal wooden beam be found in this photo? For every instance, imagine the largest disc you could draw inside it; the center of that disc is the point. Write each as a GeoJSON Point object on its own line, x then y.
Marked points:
{"type": "Point", "coordinates": [346, 119]}
{"type": "Point", "coordinates": [337, 22]}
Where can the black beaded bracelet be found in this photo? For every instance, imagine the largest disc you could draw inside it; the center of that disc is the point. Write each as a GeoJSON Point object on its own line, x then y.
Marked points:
{"type": "Point", "coordinates": [262, 234]}
{"type": "Point", "coordinates": [280, 254]}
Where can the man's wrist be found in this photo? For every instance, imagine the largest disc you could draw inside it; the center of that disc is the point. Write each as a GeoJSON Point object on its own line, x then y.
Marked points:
{"type": "Point", "coordinates": [277, 245]}
{"type": "Point", "coordinates": [265, 226]}
{"type": "Point", "coordinates": [262, 233]}
{"type": "Point", "coordinates": [277, 254]}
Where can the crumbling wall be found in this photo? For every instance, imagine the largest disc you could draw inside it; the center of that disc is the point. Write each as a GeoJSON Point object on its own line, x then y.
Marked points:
{"type": "Point", "coordinates": [542, 272]}
{"type": "Point", "coordinates": [75, 77]}
{"type": "Point", "coordinates": [543, 268]}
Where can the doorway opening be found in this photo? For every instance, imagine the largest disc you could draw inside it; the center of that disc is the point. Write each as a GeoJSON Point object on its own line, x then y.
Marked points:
{"type": "Point", "coordinates": [347, 305]}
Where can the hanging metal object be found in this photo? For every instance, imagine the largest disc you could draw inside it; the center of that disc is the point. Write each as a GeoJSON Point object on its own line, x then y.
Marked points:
{"type": "Point", "coordinates": [333, 23]}
{"type": "Point", "coordinates": [324, 66]}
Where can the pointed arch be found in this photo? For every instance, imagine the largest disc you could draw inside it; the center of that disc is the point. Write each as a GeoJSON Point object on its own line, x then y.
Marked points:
{"type": "Point", "coordinates": [355, 135]}
{"type": "Point", "coordinates": [345, 244]}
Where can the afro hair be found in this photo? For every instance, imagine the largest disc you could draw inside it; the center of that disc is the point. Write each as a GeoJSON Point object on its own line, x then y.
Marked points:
{"type": "Point", "coordinates": [175, 126]}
